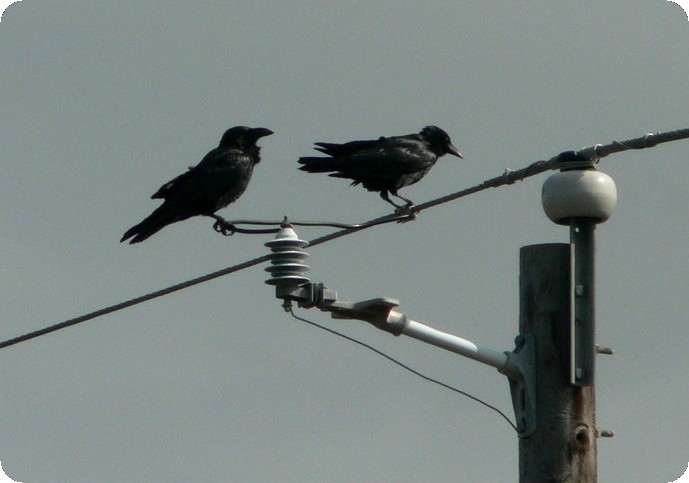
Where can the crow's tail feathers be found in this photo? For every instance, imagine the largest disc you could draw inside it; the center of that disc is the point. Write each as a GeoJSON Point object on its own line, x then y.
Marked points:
{"type": "Point", "coordinates": [318, 165]}
{"type": "Point", "coordinates": [156, 221]}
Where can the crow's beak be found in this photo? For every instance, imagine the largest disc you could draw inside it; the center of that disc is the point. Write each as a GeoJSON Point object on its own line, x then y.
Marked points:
{"type": "Point", "coordinates": [453, 151]}
{"type": "Point", "coordinates": [259, 132]}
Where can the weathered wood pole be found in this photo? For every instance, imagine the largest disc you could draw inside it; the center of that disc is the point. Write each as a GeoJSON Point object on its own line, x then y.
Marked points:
{"type": "Point", "coordinates": [563, 448]}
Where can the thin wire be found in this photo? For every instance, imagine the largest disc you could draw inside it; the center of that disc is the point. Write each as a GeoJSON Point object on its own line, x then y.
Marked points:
{"type": "Point", "coordinates": [230, 227]}
{"type": "Point", "coordinates": [404, 366]}
{"type": "Point", "coordinates": [135, 301]}
{"type": "Point", "coordinates": [508, 177]}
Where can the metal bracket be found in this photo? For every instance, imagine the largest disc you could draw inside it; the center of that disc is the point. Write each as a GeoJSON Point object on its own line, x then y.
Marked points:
{"type": "Point", "coordinates": [377, 312]}
{"type": "Point", "coordinates": [582, 323]}
{"type": "Point", "coordinates": [523, 389]}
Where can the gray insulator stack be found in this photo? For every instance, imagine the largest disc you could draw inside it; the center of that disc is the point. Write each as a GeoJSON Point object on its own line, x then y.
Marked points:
{"type": "Point", "coordinates": [287, 266]}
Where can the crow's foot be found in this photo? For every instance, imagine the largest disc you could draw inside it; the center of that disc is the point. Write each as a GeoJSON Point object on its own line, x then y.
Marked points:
{"type": "Point", "coordinates": [409, 210]}
{"type": "Point", "coordinates": [223, 226]}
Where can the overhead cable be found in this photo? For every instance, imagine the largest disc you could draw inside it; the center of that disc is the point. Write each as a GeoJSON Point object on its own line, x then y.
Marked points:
{"type": "Point", "coordinates": [592, 153]}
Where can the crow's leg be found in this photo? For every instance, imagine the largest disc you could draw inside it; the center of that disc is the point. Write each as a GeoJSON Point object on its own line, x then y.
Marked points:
{"type": "Point", "coordinates": [407, 201]}
{"type": "Point", "coordinates": [409, 207]}
{"type": "Point", "coordinates": [221, 225]}
{"type": "Point", "coordinates": [384, 195]}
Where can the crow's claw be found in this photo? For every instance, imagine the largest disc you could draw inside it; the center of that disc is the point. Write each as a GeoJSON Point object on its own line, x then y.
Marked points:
{"type": "Point", "coordinates": [223, 227]}
{"type": "Point", "coordinates": [409, 210]}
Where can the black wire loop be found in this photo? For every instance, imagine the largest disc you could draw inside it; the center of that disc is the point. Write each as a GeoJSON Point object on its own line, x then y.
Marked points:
{"type": "Point", "coordinates": [229, 228]}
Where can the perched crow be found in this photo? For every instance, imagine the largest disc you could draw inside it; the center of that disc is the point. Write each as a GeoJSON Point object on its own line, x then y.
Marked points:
{"type": "Point", "coordinates": [219, 179]}
{"type": "Point", "coordinates": [386, 164]}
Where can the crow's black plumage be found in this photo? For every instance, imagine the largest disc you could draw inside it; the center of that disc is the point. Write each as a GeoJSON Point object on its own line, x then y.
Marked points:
{"type": "Point", "coordinates": [386, 164]}
{"type": "Point", "coordinates": [219, 179]}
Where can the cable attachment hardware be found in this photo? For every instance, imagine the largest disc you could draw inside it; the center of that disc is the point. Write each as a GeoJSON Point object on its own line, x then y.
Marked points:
{"type": "Point", "coordinates": [575, 160]}
{"type": "Point", "coordinates": [591, 153]}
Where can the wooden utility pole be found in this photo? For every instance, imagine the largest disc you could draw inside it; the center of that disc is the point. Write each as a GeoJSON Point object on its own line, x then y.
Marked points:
{"type": "Point", "coordinates": [563, 448]}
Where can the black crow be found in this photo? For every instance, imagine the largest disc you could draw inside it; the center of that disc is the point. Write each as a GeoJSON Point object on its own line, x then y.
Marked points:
{"type": "Point", "coordinates": [386, 164]}
{"type": "Point", "coordinates": [219, 179]}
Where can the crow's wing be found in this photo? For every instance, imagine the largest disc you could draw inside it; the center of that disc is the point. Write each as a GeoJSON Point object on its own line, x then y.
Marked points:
{"type": "Point", "coordinates": [195, 175]}
{"type": "Point", "coordinates": [393, 157]}
{"type": "Point", "coordinates": [173, 185]}
{"type": "Point", "coordinates": [219, 179]}
{"type": "Point", "coordinates": [352, 147]}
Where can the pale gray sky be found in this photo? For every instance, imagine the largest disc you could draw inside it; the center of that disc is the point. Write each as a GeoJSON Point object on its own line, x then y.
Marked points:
{"type": "Point", "coordinates": [104, 102]}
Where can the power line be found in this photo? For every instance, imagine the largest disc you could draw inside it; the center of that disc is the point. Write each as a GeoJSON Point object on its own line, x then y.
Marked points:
{"type": "Point", "coordinates": [592, 153]}
{"type": "Point", "coordinates": [135, 301]}
{"type": "Point", "coordinates": [183, 285]}
{"type": "Point", "coordinates": [404, 366]}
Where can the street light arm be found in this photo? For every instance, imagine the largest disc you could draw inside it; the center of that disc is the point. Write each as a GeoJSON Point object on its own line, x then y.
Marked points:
{"type": "Point", "coordinates": [288, 275]}
{"type": "Point", "coordinates": [517, 365]}
{"type": "Point", "coordinates": [382, 313]}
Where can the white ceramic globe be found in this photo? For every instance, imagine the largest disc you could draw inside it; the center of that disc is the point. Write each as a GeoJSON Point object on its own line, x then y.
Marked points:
{"type": "Point", "coordinates": [579, 193]}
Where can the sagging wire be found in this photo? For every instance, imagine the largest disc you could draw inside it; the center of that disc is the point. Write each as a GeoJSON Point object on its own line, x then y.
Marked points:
{"type": "Point", "coordinates": [288, 308]}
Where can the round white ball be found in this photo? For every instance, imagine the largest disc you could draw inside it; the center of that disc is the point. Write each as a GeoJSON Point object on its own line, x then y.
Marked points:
{"type": "Point", "coordinates": [579, 194]}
